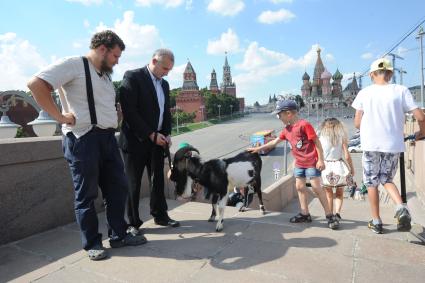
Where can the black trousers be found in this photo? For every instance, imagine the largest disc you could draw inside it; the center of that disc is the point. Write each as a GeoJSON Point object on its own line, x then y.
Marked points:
{"type": "Point", "coordinates": [135, 163]}
{"type": "Point", "coordinates": [94, 160]}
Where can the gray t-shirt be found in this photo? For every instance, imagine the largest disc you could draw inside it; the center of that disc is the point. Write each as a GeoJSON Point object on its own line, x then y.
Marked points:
{"type": "Point", "coordinates": [69, 75]}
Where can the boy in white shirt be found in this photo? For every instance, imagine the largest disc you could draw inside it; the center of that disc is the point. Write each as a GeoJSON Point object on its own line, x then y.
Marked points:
{"type": "Point", "coordinates": [380, 110]}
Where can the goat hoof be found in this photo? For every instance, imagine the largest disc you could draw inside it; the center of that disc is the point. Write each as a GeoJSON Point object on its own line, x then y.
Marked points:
{"type": "Point", "coordinates": [242, 209]}
{"type": "Point", "coordinates": [211, 219]}
{"type": "Point", "coordinates": [219, 226]}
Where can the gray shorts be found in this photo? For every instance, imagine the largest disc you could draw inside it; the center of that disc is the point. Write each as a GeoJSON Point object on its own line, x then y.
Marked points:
{"type": "Point", "coordinates": [379, 167]}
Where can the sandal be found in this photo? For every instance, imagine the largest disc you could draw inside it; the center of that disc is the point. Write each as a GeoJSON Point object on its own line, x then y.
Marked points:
{"type": "Point", "coordinates": [97, 252]}
{"type": "Point", "coordinates": [299, 218]}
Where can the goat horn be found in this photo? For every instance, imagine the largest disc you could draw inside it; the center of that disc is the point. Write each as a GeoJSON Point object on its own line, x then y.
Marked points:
{"type": "Point", "coordinates": [182, 152]}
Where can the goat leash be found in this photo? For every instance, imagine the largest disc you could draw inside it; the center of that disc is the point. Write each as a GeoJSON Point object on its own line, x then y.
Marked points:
{"type": "Point", "coordinates": [167, 153]}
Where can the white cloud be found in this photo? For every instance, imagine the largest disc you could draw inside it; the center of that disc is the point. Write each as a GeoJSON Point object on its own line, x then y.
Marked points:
{"type": "Point", "coordinates": [228, 42]}
{"type": "Point", "coordinates": [175, 77]}
{"type": "Point", "coordinates": [86, 23]}
{"type": "Point", "coordinates": [260, 64]}
{"type": "Point", "coordinates": [19, 61]}
{"type": "Point", "coordinates": [272, 17]}
{"type": "Point", "coordinates": [281, 1]}
{"type": "Point", "coordinates": [401, 51]}
{"type": "Point", "coordinates": [166, 3]}
{"type": "Point", "coordinates": [226, 7]}
{"type": "Point", "coordinates": [77, 45]}
{"type": "Point", "coordinates": [370, 44]}
{"type": "Point", "coordinates": [330, 57]}
{"type": "Point", "coordinates": [367, 55]}
{"type": "Point", "coordinates": [87, 2]}
{"type": "Point", "coordinates": [189, 5]}
{"type": "Point", "coordinates": [140, 41]}
{"type": "Point", "coordinates": [347, 77]}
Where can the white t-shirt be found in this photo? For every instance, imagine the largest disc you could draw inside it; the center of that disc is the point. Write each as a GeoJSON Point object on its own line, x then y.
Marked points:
{"type": "Point", "coordinates": [69, 74]}
{"type": "Point", "coordinates": [382, 123]}
{"type": "Point", "coordinates": [331, 152]}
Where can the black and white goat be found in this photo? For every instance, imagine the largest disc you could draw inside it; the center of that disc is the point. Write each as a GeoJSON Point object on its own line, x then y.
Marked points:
{"type": "Point", "coordinates": [217, 176]}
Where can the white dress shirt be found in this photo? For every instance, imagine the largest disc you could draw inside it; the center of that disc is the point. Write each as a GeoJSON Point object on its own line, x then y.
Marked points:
{"type": "Point", "coordinates": [157, 83]}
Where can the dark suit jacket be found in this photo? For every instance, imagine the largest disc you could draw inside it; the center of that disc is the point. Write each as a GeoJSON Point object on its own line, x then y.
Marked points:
{"type": "Point", "coordinates": [140, 109]}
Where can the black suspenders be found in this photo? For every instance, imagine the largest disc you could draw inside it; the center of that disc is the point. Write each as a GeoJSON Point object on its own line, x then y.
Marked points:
{"type": "Point", "coordinates": [89, 87]}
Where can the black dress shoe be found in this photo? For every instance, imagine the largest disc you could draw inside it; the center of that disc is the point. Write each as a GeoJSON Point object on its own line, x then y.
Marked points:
{"type": "Point", "coordinates": [166, 222]}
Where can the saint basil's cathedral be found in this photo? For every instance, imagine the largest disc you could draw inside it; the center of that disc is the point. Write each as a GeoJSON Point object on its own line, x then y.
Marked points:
{"type": "Point", "coordinates": [324, 93]}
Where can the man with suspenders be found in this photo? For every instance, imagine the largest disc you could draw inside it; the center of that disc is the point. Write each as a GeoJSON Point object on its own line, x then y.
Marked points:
{"type": "Point", "coordinates": [89, 120]}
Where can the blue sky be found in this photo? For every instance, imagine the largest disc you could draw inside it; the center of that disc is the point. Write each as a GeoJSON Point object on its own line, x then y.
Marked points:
{"type": "Point", "coordinates": [270, 43]}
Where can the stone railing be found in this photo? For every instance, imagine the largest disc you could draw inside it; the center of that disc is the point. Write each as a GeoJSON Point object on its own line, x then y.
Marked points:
{"type": "Point", "coordinates": [36, 191]}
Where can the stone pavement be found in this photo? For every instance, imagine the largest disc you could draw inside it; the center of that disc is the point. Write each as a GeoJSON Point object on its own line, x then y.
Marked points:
{"type": "Point", "coordinates": [252, 248]}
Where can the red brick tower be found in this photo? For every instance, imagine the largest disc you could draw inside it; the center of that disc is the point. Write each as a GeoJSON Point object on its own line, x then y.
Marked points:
{"type": "Point", "coordinates": [227, 86]}
{"type": "Point", "coordinates": [189, 99]}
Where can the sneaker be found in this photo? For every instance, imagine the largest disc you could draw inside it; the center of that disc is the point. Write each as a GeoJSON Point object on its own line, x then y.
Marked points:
{"type": "Point", "coordinates": [97, 252]}
{"type": "Point", "coordinates": [133, 230]}
{"type": "Point", "coordinates": [130, 239]}
{"type": "Point", "coordinates": [300, 218]}
{"type": "Point", "coordinates": [376, 228]}
{"type": "Point", "coordinates": [338, 216]}
{"type": "Point", "coordinates": [333, 223]}
{"type": "Point", "coordinates": [403, 220]}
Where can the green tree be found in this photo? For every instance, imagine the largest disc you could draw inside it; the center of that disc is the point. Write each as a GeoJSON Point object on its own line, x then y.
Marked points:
{"type": "Point", "coordinates": [183, 117]}
{"type": "Point", "coordinates": [228, 104]}
{"type": "Point", "coordinates": [117, 85]}
{"type": "Point", "coordinates": [173, 95]}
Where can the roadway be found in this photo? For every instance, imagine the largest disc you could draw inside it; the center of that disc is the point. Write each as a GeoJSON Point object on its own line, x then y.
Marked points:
{"type": "Point", "coordinates": [231, 137]}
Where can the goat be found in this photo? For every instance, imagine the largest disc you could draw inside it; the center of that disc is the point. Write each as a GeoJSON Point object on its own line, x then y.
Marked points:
{"type": "Point", "coordinates": [217, 176]}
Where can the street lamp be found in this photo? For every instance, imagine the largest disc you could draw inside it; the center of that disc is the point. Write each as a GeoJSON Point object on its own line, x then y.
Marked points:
{"type": "Point", "coordinates": [420, 36]}
{"type": "Point", "coordinates": [8, 129]}
{"type": "Point", "coordinates": [202, 107]}
{"type": "Point", "coordinates": [219, 106]}
{"type": "Point", "coordinates": [324, 101]}
{"type": "Point", "coordinates": [44, 125]}
{"type": "Point", "coordinates": [317, 109]}
{"type": "Point", "coordinates": [308, 104]}
{"type": "Point", "coordinates": [231, 110]}
{"type": "Point", "coordinates": [318, 101]}
{"type": "Point", "coordinates": [177, 118]}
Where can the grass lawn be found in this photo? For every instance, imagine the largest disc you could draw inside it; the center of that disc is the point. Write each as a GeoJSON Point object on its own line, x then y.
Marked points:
{"type": "Point", "coordinates": [195, 126]}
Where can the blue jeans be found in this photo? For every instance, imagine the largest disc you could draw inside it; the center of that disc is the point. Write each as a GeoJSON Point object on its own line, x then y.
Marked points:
{"type": "Point", "coordinates": [95, 162]}
{"type": "Point", "coordinates": [306, 172]}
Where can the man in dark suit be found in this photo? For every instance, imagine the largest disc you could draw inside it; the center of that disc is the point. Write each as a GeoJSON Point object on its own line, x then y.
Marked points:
{"type": "Point", "coordinates": [145, 132]}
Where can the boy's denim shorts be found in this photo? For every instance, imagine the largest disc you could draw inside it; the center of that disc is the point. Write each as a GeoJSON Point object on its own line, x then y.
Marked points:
{"type": "Point", "coordinates": [379, 167]}
{"type": "Point", "coordinates": [306, 172]}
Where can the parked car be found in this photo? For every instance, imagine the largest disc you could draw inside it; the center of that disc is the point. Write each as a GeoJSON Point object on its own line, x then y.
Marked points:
{"type": "Point", "coordinates": [354, 142]}
{"type": "Point", "coordinates": [355, 136]}
{"type": "Point", "coordinates": [354, 149]}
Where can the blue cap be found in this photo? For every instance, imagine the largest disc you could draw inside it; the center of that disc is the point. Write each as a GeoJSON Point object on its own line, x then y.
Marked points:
{"type": "Point", "coordinates": [285, 105]}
